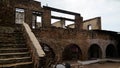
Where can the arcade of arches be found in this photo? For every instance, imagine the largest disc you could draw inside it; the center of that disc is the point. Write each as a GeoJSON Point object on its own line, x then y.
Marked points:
{"type": "Point", "coordinates": [73, 52]}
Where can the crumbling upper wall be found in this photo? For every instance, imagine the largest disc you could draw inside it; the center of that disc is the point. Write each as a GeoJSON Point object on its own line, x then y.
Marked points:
{"type": "Point", "coordinates": [90, 24]}
{"type": "Point", "coordinates": [8, 8]}
{"type": "Point", "coordinates": [27, 4]}
{"type": "Point", "coordinates": [94, 24]}
{"type": "Point", "coordinates": [59, 24]}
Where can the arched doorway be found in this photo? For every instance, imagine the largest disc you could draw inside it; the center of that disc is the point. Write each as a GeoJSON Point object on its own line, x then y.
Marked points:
{"type": "Point", "coordinates": [94, 52]}
{"type": "Point", "coordinates": [49, 56]}
{"type": "Point", "coordinates": [72, 52]}
{"type": "Point", "coordinates": [111, 51]}
{"type": "Point", "coordinates": [118, 50]}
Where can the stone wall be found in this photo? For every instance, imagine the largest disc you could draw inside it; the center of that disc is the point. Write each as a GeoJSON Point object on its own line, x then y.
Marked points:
{"type": "Point", "coordinates": [95, 24]}
{"type": "Point", "coordinates": [58, 39]}
{"type": "Point", "coordinates": [8, 7]}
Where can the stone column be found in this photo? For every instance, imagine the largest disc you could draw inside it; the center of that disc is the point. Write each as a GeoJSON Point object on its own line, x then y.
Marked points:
{"type": "Point", "coordinates": [78, 22]}
{"type": "Point", "coordinates": [28, 17]}
{"type": "Point", "coordinates": [99, 23]}
{"type": "Point", "coordinates": [46, 18]}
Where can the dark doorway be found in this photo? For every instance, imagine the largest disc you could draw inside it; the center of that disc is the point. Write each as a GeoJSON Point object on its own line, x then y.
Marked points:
{"type": "Point", "coordinates": [72, 52]}
{"type": "Point", "coordinates": [118, 50]}
{"type": "Point", "coordinates": [49, 56]}
{"type": "Point", "coordinates": [111, 51]}
{"type": "Point", "coordinates": [94, 52]}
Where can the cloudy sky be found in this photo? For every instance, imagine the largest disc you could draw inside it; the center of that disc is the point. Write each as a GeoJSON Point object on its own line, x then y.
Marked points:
{"type": "Point", "coordinates": [108, 10]}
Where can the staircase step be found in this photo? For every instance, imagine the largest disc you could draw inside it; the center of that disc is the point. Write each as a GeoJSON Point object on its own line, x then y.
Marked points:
{"type": "Point", "coordinates": [12, 50]}
{"type": "Point", "coordinates": [12, 45]}
{"type": "Point", "coordinates": [17, 65]}
{"type": "Point", "coordinates": [11, 55]}
{"type": "Point", "coordinates": [15, 60]}
{"type": "Point", "coordinates": [6, 34]}
{"type": "Point", "coordinates": [12, 41]}
{"type": "Point", "coordinates": [6, 38]}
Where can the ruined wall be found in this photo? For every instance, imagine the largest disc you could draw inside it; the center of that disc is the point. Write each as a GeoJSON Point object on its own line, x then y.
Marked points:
{"type": "Point", "coordinates": [58, 39]}
{"type": "Point", "coordinates": [103, 39]}
{"type": "Point", "coordinates": [71, 26]}
{"type": "Point", "coordinates": [59, 24]}
{"type": "Point", "coordinates": [95, 24]}
{"type": "Point", "coordinates": [8, 8]}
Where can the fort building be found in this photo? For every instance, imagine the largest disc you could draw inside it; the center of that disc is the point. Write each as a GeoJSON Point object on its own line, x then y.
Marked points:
{"type": "Point", "coordinates": [25, 42]}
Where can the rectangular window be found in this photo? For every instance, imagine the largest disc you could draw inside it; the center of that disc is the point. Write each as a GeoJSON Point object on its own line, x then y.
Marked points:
{"type": "Point", "coordinates": [19, 16]}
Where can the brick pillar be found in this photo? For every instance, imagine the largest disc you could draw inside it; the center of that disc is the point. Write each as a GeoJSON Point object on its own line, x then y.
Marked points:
{"type": "Point", "coordinates": [78, 22]}
{"type": "Point", "coordinates": [99, 23]}
{"type": "Point", "coordinates": [28, 17]}
{"type": "Point", "coordinates": [46, 18]}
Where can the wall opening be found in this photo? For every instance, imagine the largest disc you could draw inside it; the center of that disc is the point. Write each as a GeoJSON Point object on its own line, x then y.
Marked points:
{"type": "Point", "coordinates": [49, 55]}
{"type": "Point", "coordinates": [55, 22]}
{"type": "Point", "coordinates": [72, 52]}
{"type": "Point", "coordinates": [89, 27]}
{"type": "Point", "coordinates": [94, 52]}
{"type": "Point", "coordinates": [60, 19]}
{"type": "Point", "coordinates": [19, 16]}
{"type": "Point", "coordinates": [36, 20]}
{"type": "Point", "coordinates": [118, 50]}
{"type": "Point", "coordinates": [111, 51]}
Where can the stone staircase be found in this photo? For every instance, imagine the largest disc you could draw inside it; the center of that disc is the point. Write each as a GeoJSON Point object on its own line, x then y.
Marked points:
{"type": "Point", "coordinates": [13, 51]}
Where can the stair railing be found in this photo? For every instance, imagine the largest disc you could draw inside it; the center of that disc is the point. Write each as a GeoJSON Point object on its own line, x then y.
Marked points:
{"type": "Point", "coordinates": [33, 44]}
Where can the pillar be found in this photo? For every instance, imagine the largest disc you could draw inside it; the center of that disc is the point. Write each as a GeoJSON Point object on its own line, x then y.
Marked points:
{"type": "Point", "coordinates": [46, 18]}
{"type": "Point", "coordinates": [28, 17]}
{"type": "Point", "coordinates": [78, 22]}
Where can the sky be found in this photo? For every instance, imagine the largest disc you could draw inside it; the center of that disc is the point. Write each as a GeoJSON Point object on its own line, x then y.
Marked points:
{"type": "Point", "coordinates": [108, 10]}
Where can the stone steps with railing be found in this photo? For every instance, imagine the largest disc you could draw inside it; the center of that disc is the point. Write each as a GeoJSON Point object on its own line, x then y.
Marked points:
{"type": "Point", "coordinates": [13, 51]}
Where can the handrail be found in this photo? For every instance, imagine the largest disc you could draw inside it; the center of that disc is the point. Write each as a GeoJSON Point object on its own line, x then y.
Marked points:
{"type": "Point", "coordinates": [34, 40]}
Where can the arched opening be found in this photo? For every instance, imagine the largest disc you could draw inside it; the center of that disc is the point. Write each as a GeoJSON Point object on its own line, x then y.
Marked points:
{"type": "Point", "coordinates": [89, 27]}
{"type": "Point", "coordinates": [49, 55]}
{"type": "Point", "coordinates": [94, 52]}
{"type": "Point", "coordinates": [111, 51]}
{"type": "Point", "coordinates": [118, 50]}
{"type": "Point", "coordinates": [72, 52]}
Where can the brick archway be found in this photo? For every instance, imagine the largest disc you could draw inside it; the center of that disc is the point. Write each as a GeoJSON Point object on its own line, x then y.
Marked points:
{"type": "Point", "coordinates": [111, 51]}
{"type": "Point", "coordinates": [118, 50]}
{"type": "Point", "coordinates": [49, 55]}
{"type": "Point", "coordinates": [94, 52]}
{"type": "Point", "coordinates": [72, 52]}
